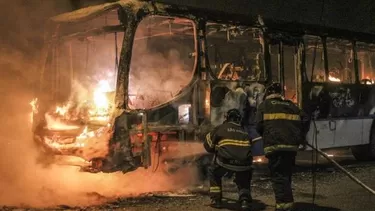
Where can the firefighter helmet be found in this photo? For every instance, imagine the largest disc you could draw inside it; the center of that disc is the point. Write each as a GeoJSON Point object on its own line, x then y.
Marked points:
{"type": "Point", "coordinates": [233, 115]}
{"type": "Point", "coordinates": [274, 88]}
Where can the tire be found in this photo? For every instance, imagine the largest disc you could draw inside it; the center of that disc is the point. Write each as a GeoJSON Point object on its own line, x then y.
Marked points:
{"type": "Point", "coordinates": [365, 152]}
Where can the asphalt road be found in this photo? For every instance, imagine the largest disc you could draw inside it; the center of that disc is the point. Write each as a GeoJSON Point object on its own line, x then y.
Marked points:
{"type": "Point", "coordinates": [334, 191]}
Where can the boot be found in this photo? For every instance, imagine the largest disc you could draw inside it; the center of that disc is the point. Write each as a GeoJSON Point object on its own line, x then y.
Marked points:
{"type": "Point", "coordinates": [216, 203]}
{"type": "Point", "coordinates": [245, 205]}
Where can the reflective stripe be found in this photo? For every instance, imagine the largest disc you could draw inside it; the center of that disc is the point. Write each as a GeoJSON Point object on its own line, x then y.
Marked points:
{"type": "Point", "coordinates": [279, 116]}
{"type": "Point", "coordinates": [280, 147]}
{"type": "Point", "coordinates": [258, 138]}
{"type": "Point", "coordinates": [233, 142]}
{"type": "Point", "coordinates": [284, 205]}
{"type": "Point", "coordinates": [215, 189]}
{"type": "Point", "coordinates": [233, 167]}
{"type": "Point", "coordinates": [208, 139]}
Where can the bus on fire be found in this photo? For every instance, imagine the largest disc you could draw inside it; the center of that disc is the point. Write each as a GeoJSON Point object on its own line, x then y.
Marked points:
{"type": "Point", "coordinates": [123, 81]}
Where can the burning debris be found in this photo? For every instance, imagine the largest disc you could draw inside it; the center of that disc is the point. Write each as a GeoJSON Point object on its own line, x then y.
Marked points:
{"type": "Point", "coordinates": [77, 128]}
{"type": "Point", "coordinates": [97, 108]}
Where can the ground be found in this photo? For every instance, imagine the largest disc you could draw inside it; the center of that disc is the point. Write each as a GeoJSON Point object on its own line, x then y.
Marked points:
{"type": "Point", "coordinates": [334, 191]}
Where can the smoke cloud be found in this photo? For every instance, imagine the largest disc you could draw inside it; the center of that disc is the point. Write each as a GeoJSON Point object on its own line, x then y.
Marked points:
{"type": "Point", "coordinates": [26, 183]}
{"type": "Point", "coordinates": [161, 63]}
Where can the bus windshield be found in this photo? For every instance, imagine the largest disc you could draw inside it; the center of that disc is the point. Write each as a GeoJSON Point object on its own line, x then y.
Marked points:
{"type": "Point", "coordinates": [80, 73]}
{"type": "Point", "coordinates": [163, 60]}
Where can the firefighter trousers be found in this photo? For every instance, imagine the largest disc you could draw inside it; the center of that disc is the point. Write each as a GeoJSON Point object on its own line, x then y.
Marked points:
{"type": "Point", "coordinates": [281, 166]}
{"type": "Point", "coordinates": [242, 180]}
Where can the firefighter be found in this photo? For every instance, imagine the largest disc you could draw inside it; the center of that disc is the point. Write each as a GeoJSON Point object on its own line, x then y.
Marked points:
{"type": "Point", "coordinates": [283, 127]}
{"type": "Point", "coordinates": [232, 148]}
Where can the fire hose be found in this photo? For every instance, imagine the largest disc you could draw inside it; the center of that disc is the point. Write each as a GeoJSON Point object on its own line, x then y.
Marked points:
{"type": "Point", "coordinates": [350, 175]}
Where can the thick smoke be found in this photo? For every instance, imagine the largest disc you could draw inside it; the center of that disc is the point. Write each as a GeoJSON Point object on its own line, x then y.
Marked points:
{"type": "Point", "coordinates": [23, 181]}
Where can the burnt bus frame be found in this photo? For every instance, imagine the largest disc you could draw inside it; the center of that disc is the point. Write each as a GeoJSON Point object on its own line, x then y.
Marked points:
{"type": "Point", "coordinates": [130, 19]}
{"type": "Point", "coordinates": [199, 83]}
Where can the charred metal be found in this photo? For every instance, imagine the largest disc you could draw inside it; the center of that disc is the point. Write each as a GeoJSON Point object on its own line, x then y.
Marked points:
{"type": "Point", "coordinates": [232, 56]}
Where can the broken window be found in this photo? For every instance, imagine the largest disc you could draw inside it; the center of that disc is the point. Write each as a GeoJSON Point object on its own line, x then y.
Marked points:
{"type": "Point", "coordinates": [163, 60]}
{"type": "Point", "coordinates": [235, 52]}
{"type": "Point", "coordinates": [81, 72]}
{"type": "Point", "coordinates": [275, 57]}
{"type": "Point", "coordinates": [366, 62]}
{"type": "Point", "coordinates": [340, 61]}
{"type": "Point", "coordinates": [79, 79]}
{"type": "Point", "coordinates": [290, 73]}
{"type": "Point", "coordinates": [314, 59]}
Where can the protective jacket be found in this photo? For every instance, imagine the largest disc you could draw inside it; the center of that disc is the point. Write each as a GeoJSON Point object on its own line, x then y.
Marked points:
{"type": "Point", "coordinates": [282, 124]}
{"type": "Point", "coordinates": [232, 146]}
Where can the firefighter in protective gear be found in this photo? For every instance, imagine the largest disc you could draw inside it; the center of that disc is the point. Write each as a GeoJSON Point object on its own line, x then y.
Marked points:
{"type": "Point", "coordinates": [232, 148]}
{"type": "Point", "coordinates": [283, 126]}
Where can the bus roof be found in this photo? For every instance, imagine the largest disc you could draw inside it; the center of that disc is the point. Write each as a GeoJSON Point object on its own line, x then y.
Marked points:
{"type": "Point", "coordinates": [351, 19]}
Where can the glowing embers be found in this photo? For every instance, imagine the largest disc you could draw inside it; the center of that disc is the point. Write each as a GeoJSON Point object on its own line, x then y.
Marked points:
{"type": "Point", "coordinates": [259, 159]}
{"type": "Point", "coordinates": [333, 79]}
{"type": "Point", "coordinates": [368, 80]}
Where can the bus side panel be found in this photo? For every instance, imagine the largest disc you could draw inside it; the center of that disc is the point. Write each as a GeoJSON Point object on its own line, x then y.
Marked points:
{"type": "Point", "coordinates": [348, 132]}
{"type": "Point", "coordinates": [325, 136]}
{"type": "Point", "coordinates": [366, 132]}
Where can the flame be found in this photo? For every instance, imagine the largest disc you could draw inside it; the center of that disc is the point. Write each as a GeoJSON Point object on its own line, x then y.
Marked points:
{"type": "Point", "coordinates": [331, 78]}
{"type": "Point", "coordinates": [85, 134]}
{"type": "Point", "coordinates": [57, 124]}
{"type": "Point", "coordinates": [101, 108]}
{"type": "Point", "coordinates": [259, 159]}
{"type": "Point", "coordinates": [98, 108]}
{"type": "Point", "coordinates": [34, 109]}
{"type": "Point", "coordinates": [370, 81]}
{"type": "Point", "coordinates": [71, 115]}
{"type": "Point", "coordinates": [34, 106]}
{"type": "Point", "coordinates": [62, 110]}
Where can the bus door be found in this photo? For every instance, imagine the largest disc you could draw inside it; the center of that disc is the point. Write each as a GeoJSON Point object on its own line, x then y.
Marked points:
{"type": "Point", "coordinates": [365, 54]}
{"type": "Point", "coordinates": [331, 92]}
{"type": "Point", "coordinates": [285, 62]}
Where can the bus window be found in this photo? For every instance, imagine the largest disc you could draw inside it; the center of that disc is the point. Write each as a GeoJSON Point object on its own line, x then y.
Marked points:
{"type": "Point", "coordinates": [290, 73]}
{"type": "Point", "coordinates": [274, 52]}
{"type": "Point", "coordinates": [81, 72]}
{"type": "Point", "coordinates": [314, 58]}
{"type": "Point", "coordinates": [163, 60]}
{"type": "Point", "coordinates": [366, 62]}
{"type": "Point", "coordinates": [235, 52]}
{"type": "Point", "coordinates": [340, 61]}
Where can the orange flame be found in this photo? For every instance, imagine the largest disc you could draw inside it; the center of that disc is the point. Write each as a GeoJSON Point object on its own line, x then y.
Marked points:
{"type": "Point", "coordinates": [34, 110]}
{"type": "Point", "coordinates": [62, 110]}
{"type": "Point", "coordinates": [57, 124]}
{"type": "Point", "coordinates": [333, 79]}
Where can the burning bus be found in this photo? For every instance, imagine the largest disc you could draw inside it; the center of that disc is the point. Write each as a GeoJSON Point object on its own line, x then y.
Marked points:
{"type": "Point", "coordinates": [122, 81]}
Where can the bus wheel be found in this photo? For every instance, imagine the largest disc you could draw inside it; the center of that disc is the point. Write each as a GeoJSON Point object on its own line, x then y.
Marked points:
{"type": "Point", "coordinates": [365, 152]}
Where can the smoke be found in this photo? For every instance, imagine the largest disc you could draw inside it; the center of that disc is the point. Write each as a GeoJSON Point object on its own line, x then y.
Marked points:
{"type": "Point", "coordinates": [23, 181]}
{"type": "Point", "coordinates": [161, 63]}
